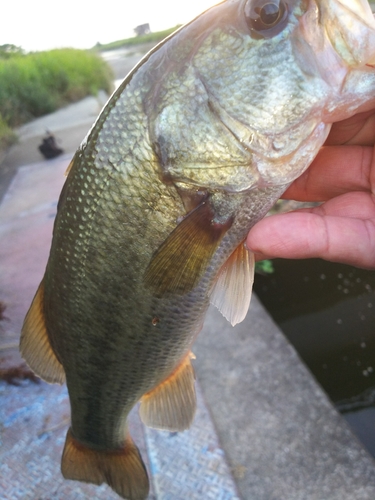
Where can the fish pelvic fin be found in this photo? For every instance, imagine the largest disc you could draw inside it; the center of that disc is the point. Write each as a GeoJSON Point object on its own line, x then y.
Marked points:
{"type": "Point", "coordinates": [69, 168]}
{"type": "Point", "coordinates": [35, 346]}
{"type": "Point", "coordinates": [123, 470]}
{"type": "Point", "coordinates": [171, 405]}
{"type": "Point", "coordinates": [182, 258]}
{"type": "Point", "coordinates": [231, 292]}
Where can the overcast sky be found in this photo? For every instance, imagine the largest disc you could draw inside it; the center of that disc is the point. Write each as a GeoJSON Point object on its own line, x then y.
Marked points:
{"type": "Point", "coordinates": [42, 24]}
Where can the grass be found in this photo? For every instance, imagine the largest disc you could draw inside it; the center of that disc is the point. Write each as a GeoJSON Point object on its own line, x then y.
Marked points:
{"type": "Point", "coordinates": [38, 83]}
{"type": "Point", "coordinates": [35, 84]}
{"type": "Point", "coordinates": [7, 136]}
{"type": "Point", "coordinates": [136, 40]}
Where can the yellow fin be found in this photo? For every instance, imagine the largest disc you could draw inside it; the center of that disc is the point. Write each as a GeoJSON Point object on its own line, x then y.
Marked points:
{"type": "Point", "coordinates": [231, 292]}
{"type": "Point", "coordinates": [171, 405]}
{"type": "Point", "coordinates": [69, 168]}
{"type": "Point", "coordinates": [123, 470]}
{"type": "Point", "coordinates": [71, 163]}
{"type": "Point", "coordinates": [181, 260]}
{"type": "Point", "coordinates": [35, 345]}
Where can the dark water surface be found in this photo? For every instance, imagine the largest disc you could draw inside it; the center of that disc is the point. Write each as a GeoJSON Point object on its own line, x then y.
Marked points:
{"type": "Point", "coordinates": [327, 311]}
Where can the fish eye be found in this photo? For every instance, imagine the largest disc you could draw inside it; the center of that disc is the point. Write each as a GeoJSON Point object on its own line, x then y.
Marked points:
{"type": "Point", "coordinates": [266, 18]}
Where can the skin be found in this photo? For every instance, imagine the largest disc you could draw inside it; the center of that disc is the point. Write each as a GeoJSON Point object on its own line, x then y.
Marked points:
{"type": "Point", "coordinates": [342, 228]}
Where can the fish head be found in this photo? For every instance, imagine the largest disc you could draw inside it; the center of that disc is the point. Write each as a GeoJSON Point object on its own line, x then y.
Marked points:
{"type": "Point", "coordinates": [248, 90]}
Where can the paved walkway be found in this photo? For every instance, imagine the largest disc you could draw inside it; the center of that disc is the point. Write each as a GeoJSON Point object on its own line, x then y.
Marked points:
{"type": "Point", "coordinates": [69, 125]}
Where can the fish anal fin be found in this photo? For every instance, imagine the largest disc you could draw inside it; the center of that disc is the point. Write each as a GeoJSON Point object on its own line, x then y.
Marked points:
{"type": "Point", "coordinates": [231, 292]}
{"type": "Point", "coordinates": [35, 346]}
{"type": "Point", "coordinates": [171, 405]}
{"type": "Point", "coordinates": [183, 257]}
{"type": "Point", "coordinates": [123, 470]}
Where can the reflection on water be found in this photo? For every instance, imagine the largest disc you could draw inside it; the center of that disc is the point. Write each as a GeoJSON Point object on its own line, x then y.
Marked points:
{"type": "Point", "coordinates": [327, 311]}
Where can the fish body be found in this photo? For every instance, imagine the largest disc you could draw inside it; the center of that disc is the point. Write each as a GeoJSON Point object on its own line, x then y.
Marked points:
{"type": "Point", "coordinates": [195, 146]}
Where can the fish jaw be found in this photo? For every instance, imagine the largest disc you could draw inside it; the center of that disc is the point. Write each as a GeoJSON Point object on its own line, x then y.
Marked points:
{"type": "Point", "coordinates": [335, 37]}
{"type": "Point", "coordinates": [350, 26]}
{"type": "Point", "coordinates": [360, 7]}
{"type": "Point", "coordinates": [353, 37]}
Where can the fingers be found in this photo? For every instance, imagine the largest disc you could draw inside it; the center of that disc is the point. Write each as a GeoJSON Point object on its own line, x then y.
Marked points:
{"type": "Point", "coordinates": [366, 135]}
{"type": "Point", "coordinates": [336, 170]}
{"type": "Point", "coordinates": [343, 228]}
{"type": "Point", "coordinates": [301, 235]}
{"type": "Point", "coordinates": [359, 129]}
{"type": "Point", "coordinates": [354, 205]}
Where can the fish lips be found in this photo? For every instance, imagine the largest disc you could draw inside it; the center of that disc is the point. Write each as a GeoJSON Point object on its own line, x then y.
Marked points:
{"type": "Point", "coordinates": [334, 37]}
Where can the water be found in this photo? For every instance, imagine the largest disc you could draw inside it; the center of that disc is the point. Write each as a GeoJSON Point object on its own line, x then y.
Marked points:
{"type": "Point", "coordinates": [327, 311]}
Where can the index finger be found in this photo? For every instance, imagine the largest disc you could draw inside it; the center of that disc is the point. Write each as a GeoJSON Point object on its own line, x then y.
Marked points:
{"type": "Point", "coordinates": [358, 129]}
{"type": "Point", "coordinates": [336, 170]}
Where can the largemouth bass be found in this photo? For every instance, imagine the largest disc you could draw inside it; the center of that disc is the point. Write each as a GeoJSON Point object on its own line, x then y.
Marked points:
{"type": "Point", "coordinates": [195, 146]}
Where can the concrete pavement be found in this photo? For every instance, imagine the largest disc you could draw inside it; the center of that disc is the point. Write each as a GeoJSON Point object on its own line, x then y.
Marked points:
{"type": "Point", "coordinates": [263, 421]}
{"type": "Point", "coordinates": [69, 125]}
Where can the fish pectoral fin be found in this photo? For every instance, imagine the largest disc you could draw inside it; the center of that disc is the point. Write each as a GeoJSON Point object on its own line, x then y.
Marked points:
{"type": "Point", "coordinates": [123, 470]}
{"type": "Point", "coordinates": [171, 405]}
{"type": "Point", "coordinates": [231, 292]}
{"type": "Point", "coordinates": [35, 346]}
{"type": "Point", "coordinates": [181, 260]}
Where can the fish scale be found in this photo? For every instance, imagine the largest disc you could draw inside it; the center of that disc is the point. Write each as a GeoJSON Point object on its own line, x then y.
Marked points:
{"type": "Point", "coordinates": [102, 240]}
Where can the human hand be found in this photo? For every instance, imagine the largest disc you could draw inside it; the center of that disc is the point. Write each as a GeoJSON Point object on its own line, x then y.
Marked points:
{"type": "Point", "coordinates": [342, 228]}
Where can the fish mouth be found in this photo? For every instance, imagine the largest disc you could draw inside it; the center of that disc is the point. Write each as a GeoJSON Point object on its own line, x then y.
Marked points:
{"type": "Point", "coordinates": [350, 28]}
{"type": "Point", "coordinates": [360, 8]}
{"type": "Point", "coordinates": [334, 37]}
{"type": "Point", "coordinates": [265, 146]}
{"type": "Point", "coordinates": [274, 157]}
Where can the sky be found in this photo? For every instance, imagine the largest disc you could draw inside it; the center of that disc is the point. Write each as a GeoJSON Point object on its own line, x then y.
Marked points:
{"type": "Point", "coordinates": [43, 24]}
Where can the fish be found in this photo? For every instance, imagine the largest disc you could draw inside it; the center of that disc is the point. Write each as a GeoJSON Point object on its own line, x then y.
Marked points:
{"type": "Point", "coordinates": [194, 147]}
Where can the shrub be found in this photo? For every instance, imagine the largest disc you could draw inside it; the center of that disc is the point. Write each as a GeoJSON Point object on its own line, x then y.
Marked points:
{"type": "Point", "coordinates": [39, 83]}
{"type": "Point", "coordinates": [7, 136]}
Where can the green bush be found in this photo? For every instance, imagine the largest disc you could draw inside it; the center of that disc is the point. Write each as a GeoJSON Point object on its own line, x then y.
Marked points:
{"type": "Point", "coordinates": [7, 136]}
{"type": "Point", "coordinates": [38, 83]}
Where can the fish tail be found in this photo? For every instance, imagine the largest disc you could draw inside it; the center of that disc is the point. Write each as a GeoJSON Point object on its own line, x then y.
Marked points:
{"type": "Point", "coordinates": [123, 470]}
